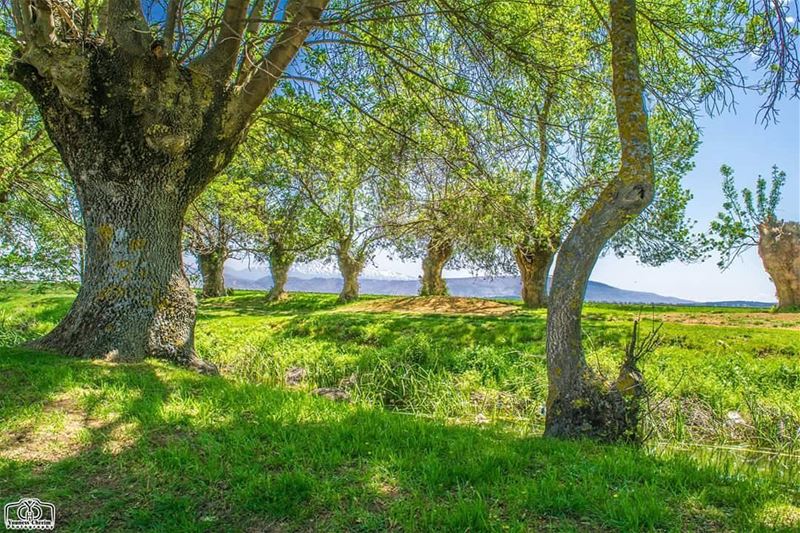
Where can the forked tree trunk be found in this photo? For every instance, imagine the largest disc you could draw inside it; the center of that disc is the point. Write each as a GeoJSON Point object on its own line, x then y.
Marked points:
{"type": "Point", "coordinates": [351, 269]}
{"type": "Point", "coordinates": [579, 402]}
{"type": "Point", "coordinates": [779, 248]}
{"type": "Point", "coordinates": [280, 262]}
{"type": "Point", "coordinates": [436, 257]}
{"type": "Point", "coordinates": [212, 269]}
{"type": "Point", "coordinates": [534, 265]}
{"type": "Point", "coordinates": [141, 134]}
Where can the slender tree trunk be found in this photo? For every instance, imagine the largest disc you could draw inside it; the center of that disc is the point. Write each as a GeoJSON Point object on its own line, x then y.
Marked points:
{"type": "Point", "coordinates": [212, 269]}
{"type": "Point", "coordinates": [280, 262]}
{"type": "Point", "coordinates": [534, 266]}
{"type": "Point", "coordinates": [579, 403]}
{"type": "Point", "coordinates": [351, 269]}
{"type": "Point", "coordinates": [438, 253]}
{"type": "Point", "coordinates": [135, 300]}
{"type": "Point", "coordinates": [779, 248]}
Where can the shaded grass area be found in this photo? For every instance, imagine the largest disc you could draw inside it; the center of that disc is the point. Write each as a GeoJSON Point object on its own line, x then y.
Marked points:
{"type": "Point", "coordinates": [162, 449]}
{"type": "Point", "coordinates": [152, 447]}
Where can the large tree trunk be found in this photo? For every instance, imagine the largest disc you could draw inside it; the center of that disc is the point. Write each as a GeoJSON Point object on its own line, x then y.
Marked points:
{"type": "Point", "coordinates": [134, 181]}
{"type": "Point", "coordinates": [579, 402]}
{"type": "Point", "coordinates": [212, 269]}
{"type": "Point", "coordinates": [280, 262]}
{"type": "Point", "coordinates": [534, 266]}
{"type": "Point", "coordinates": [135, 300]}
{"type": "Point", "coordinates": [351, 269]}
{"type": "Point", "coordinates": [436, 257]}
{"type": "Point", "coordinates": [141, 134]}
{"type": "Point", "coordinates": [779, 248]}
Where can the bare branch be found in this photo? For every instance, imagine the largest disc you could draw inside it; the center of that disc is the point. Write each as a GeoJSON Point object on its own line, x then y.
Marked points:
{"type": "Point", "coordinates": [127, 26]}
{"type": "Point", "coordinates": [303, 15]}
{"type": "Point", "coordinates": [169, 25]}
{"type": "Point", "coordinates": [220, 60]}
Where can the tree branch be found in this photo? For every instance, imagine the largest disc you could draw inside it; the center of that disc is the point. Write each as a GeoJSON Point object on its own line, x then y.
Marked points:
{"type": "Point", "coordinates": [127, 26]}
{"type": "Point", "coordinates": [169, 25]}
{"type": "Point", "coordinates": [220, 60]}
{"type": "Point", "coordinates": [303, 15]}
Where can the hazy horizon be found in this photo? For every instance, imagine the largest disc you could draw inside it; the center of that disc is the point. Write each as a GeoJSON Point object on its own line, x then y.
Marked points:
{"type": "Point", "coordinates": [735, 139]}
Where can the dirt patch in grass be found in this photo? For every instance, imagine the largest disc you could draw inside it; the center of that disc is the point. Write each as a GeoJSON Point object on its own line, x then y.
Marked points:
{"type": "Point", "coordinates": [443, 305]}
{"type": "Point", "coordinates": [741, 320]}
{"type": "Point", "coordinates": [61, 432]}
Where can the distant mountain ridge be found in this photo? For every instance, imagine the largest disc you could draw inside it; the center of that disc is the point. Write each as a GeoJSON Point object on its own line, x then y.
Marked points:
{"type": "Point", "coordinates": [482, 287]}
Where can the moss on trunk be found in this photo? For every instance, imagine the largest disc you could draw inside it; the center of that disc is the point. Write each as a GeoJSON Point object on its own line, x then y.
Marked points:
{"type": "Point", "coordinates": [438, 252]}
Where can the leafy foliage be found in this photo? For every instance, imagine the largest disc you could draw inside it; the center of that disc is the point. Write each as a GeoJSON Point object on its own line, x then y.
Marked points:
{"type": "Point", "coordinates": [736, 226]}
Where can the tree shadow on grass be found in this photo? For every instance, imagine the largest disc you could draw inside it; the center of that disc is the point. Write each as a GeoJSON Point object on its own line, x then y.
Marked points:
{"type": "Point", "coordinates": [206, 454]}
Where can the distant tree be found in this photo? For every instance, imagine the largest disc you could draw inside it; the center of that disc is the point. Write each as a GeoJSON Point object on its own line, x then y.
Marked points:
{"type": "Point", "coordinates": [442, 212]}
{"type": "Point", "coordinates": [749, 220]}
{"type": "Point", "coordinates": [290, 229]}
{"type": "Point", "coordinates": [217, 227]}
{"type": "Point", "coordinates": [571, 157]}
{"type": "Point", "coordinates": [334, 157]}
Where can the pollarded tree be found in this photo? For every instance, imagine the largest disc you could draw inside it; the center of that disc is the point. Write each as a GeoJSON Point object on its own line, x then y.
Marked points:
{"type": "Point", "coordinates": [144, 118]}
{"type": "Point", "coordinates": [333, 157]}
{"type": "Point", "coordinates": [440, 211]}
{"type": "Point", "coordinates": [218, 225]}
{"type": "Point", "coordinates": [751, 221]}
{"type": "Point", "coordinates": [289, 227]}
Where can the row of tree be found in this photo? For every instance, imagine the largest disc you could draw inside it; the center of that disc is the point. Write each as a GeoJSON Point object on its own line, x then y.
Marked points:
{"type": "Point", "coordinates": [474, 130]}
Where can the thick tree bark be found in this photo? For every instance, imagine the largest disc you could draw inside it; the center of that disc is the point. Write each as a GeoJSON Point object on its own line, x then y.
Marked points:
{"type": "Point", "coordinates": [437, 254]}
{"type": "Point", "coordinates": [280, 262]}
{"type": "Point", "coordinates": [212, 269]}
{"type": "Point", "coordinates": [579, 403]}
{"type": "Point", "coordinates": [134, 181]}
{"type": "Point", "coordinates": [534, 265]}
{"type": "Point", "coordinates": [141, 136]}
{"type": "Point", "coordinates": [135, 300]}
{"type": "Point", "coordinates": [351, 269]}
{"type": "Point", "coordinates": [779, 248]}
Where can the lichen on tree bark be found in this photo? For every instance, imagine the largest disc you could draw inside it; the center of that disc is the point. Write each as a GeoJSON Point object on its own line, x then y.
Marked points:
{"type": "Point", "coordinates": [579, 402]}
{"type": "Point", "coordinates": [141, 134]}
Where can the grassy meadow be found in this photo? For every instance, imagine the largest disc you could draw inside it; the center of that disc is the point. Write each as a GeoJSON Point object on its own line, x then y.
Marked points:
{"type": "Point", "coordinates": [440, 429]}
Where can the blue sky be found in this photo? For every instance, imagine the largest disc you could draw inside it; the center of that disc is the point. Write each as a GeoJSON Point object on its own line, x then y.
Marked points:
{"type": "Point", "coordinates": [741, 141]}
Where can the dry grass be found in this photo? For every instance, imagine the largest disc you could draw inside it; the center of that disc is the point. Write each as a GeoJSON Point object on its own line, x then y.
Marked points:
{"type": "Point", "coordinates": [436, 305]}
{"type": "Point", "coordinates": [741, 320]}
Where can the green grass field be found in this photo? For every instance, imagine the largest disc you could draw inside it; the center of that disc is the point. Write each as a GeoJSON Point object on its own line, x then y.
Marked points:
{"type": "Point", "coordinates": [441, 431]}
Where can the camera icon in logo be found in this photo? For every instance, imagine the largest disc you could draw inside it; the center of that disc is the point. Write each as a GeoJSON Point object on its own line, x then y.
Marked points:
{"type": "Point", "coordinates": [29, 513]}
